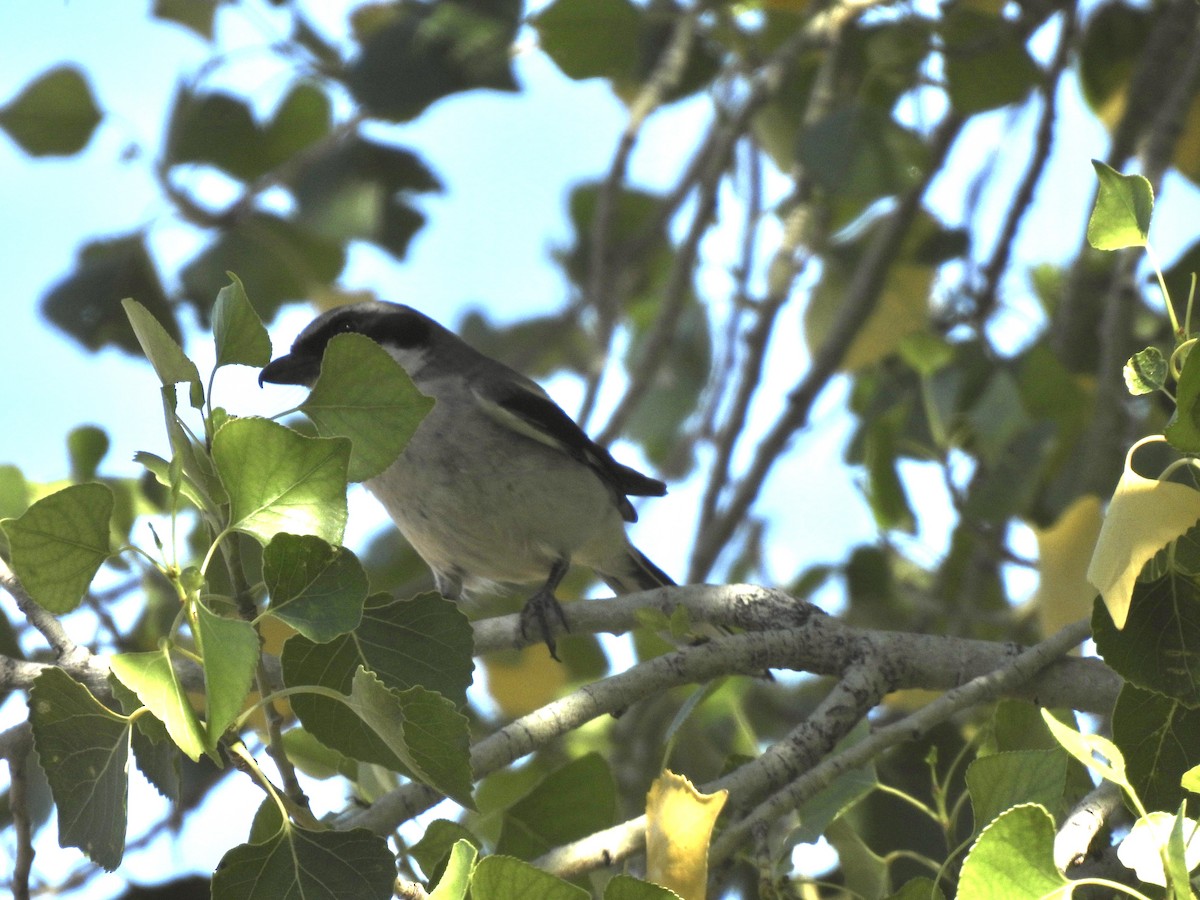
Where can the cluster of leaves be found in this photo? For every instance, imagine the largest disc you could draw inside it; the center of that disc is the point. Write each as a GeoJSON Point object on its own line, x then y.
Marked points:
{"type": "Point", "coordinates": [815, 93]}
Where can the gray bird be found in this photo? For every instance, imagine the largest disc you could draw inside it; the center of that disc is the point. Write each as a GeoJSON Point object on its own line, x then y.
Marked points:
{"type": "Point", "coordinates": [498, 484]}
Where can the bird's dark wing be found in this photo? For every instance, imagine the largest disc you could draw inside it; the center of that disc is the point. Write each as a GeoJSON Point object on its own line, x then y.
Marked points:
{"type": "Point", "coordinates": [529, 412]}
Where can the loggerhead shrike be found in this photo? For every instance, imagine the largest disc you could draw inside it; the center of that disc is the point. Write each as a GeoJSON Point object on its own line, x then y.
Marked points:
{"type": "Point", "coordinates": [498, 484]}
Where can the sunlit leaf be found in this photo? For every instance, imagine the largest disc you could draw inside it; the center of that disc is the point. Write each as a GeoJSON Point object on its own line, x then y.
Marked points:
{"type": "Point", "coordinates": [238, 332]}
{"type": "Point", "coordinates": [60, 542]}
{"type": "Point", "coordinates": [1121, 216]}
{"type": "Point", "coordinates": [1144, 516]}
{"type": "Point", "coordinates": [1141, 850]}
{"type": "Point", "coordinates": [433, 851]}
{"type": "Point", "coordinates": [163, 351]}
{"type": "Point", "coordinates": [1146, 371]}
{"type": "Point", "coordinates": [280, 481]}
{"type": "Point", "coordinates": [456, 876]}
{"type": "Point", "coordinates": [1064, 594]}
{"type": "Point", "coordinates": [363, 394]}
{"type": "Point", "coordinates": [152, 677]}
{"type": "Point", "coordinates": [679, 824]}
{"type": "Point", "coordinates": [1013, 859]}
{"type": "Point", "coordinates": [230, 651]}
{"type": "Point", "coordinates": [504, 878]}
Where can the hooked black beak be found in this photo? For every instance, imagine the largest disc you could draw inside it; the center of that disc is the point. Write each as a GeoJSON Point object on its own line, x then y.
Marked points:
{"type": "Point", "coordinates": [290, 369]}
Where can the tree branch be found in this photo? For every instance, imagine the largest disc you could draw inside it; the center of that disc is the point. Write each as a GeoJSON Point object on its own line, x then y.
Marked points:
{"type": "Point", "coordinates": [66, 651]}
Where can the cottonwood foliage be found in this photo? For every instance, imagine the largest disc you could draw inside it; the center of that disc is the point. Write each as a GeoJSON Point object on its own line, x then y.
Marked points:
{"type": "Point", "coordinates": [204, 618]}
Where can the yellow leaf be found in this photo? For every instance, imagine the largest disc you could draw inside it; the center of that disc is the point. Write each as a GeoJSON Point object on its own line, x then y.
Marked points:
{"type": "Point", "coordinates": [1064, 594]}
{"type": "Point", "coordinates": [1144, 516]}
{"type": "Point", "coordinates": [679, 824]}
{"type": "Point", "coordinates": [524, 680]}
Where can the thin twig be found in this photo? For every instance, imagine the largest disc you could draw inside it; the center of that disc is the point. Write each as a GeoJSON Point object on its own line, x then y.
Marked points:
{"type": "Point", "coordinates": [1023, 198]}
{"type": "Point", "coordinates": [982, 689]}
{"type": "Point", "coordinates": [66, 651]}
{"type": "Point", "coordinates": [662, 80]}
{"type": "Point", "coordinates": [18, 753]}
{"type": "Point", "coordinates": [861, 297]}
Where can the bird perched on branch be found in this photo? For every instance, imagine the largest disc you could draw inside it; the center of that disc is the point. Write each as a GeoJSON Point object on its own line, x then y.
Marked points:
{"type": "Point", "coordinates": [497, 484]}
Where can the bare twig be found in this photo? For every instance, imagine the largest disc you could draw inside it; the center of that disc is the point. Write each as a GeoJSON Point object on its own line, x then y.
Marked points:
{"type": "Point", "coordinates": [66, 651]}
{"type": "Point", "coordinates": [663, 79]}
{"type": "Point", "coordinates": [1023, 197]}
{"type": "Point", "coordinates": [18, 752]}
{"type": "Point", "coordinates": [860, 300]}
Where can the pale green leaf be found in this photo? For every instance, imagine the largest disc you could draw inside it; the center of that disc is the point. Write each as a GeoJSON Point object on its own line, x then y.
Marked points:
{"type": "Point", "coordinates": [1013, 859]}
{"type": "Point", "coordinates": [60, 542]}
{"type": "Point", "coordinates": [280, 481]}
{"type": "Point", "coordinates": [1121, 216]}
{"type": "Point", "coordinates": [363, 394]}
{"type": "Point", "coordinates": [240, 336]}
{"type": "Point", "coordinates": [151, 676]}
{"type": "Point", "coordinates": [230, 649]}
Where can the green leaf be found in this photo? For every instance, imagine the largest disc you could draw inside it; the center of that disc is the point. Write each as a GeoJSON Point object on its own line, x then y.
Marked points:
{"type": "Point", "coordinates": [363, 394]}
{"type": "Point", "coordinates": [303, 117]}
{"type": "Point", "coordinates": [433, 851]}
{"type": "Point", "coordinates": [918, 889]}
{"type": "Point", "coordinates": [1013, 859]}
{"type": "Point", "coordinates": [195, 17]}
{"type": "Point", "coordinates": [505, 878]}
{"type": "Point", "coordinates": [1121, 217]}
{"type": "Point", "coordinates": [87, 446]}
{"type": "Point", "coordinates": [415, 731]}
{"type": "Point", "coordinates": [316, 588]}
{"type": "Point", "coordinates": [238, 331]}
{"type": "Point", "coordinates": [60, 542]}
{"type": "Point", "coordinates": [230, 650]}
{"type": "Point", "coordinates": [1146, 371]}
{"type": "Point", "coordinates": [1183, 430]}
{"type": "Point", "coordinates": [415, 53]}
{"type": "Point", "coordinates": [575, 800]}
{"type": "Point", "coordinates": [1163, 624]}
{"type": "Point", "coordinates": [626, 887]}
{"type": "Point", "coordinates": [151, 676]}
{"type": "Point", "coordinates": [456, 877]}
{"type": "Point", "coordinates": [86, 304]}
{"type": "Point", "coordinates": [364, 190]}
{"type": "Point", "coordinates": [54, 115]}
{"type": "Point", "coordinates": [280, 481]}
{"type": "Point", "coordinates": [1097, 753]}
{"type": "Point", "coordinates": [278, 260]}
{"type": "Point", "coordinates": [216, 129]}
{"type": "Point", "coordinates": [424, 641]}
{"type": "Point", "coordinates": [987, 64]}
{"type": "Point", "coordinates": [1160, 739]}
{"type": "Point", "coordinates": [167, 357]}
{"type": "Point", "coordinates": [84, 750]}
{"type": "Point", "coordinates": [1001, 781]}
{"type": "Point", "coordinates": [155, 752]}
{"type": "Point", "coordinates": [315, 865]}
{"type": "Point", "coordinates": [591, 38]}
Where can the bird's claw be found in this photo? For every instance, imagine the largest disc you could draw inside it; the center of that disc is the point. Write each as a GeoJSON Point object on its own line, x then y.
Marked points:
{"type": "Point", "coordinates": [541, 608]}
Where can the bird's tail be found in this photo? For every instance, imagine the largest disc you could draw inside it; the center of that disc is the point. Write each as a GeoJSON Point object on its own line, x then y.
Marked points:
{"type": "Point", "coordinates": [639, 574]}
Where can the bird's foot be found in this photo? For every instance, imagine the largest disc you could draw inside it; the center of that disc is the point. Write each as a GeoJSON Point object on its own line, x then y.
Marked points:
{"type": "Point", "coordinates": [543, 608]}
